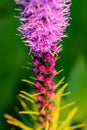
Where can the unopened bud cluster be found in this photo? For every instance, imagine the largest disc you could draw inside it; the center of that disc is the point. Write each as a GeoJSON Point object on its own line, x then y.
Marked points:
{"type": "Point", "coordinates": [44, 70]}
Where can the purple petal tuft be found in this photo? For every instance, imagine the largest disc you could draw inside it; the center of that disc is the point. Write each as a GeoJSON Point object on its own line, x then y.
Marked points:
{"type": "Point", "coordinates": [43, 23]}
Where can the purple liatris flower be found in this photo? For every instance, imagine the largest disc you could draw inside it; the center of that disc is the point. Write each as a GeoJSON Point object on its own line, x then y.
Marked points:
{"type": "Point", "coordinates": [43, 23]}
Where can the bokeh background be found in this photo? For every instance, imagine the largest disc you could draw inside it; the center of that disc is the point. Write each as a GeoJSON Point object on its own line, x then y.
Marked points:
{"type": "Point", "coordinates": [14, 55]}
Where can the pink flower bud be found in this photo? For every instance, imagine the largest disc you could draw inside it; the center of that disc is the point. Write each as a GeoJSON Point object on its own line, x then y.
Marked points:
{"type": "Point", "coordinates": [51, 94]}
{"type": "Point", "coordinates": [50, 58]}
{"type": "Point", "coordinates": [40, 77]}
{"type": "Point", "coordinates": [52, 85]}
{"type": "Point", "coordinates": [48, 117]}
{"type": "Point", "coordinates": [47, 80]}
{"type": "Point", "coordinates": [36, 62]}
{"type": "Point", "coordinates": [37, 84]}
{"type": "Point", "coordinates": [51, 107]}
{"type": "Point", "coordinates": [42, 89]}
{"type": "Point", "coordinates": [45, 102]}
{"type": "Point", "coordinates": [39, 97]}
{"type": "Point", "coordinates": [42, 68]}
{"type": "Point", "coordinates": [35, 69]}
{"type": "Point", "coordinates": [51, 69]}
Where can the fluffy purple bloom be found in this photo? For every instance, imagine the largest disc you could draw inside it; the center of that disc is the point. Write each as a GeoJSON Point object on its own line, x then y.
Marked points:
{"type": "Point", "coordinates": [43, 23]}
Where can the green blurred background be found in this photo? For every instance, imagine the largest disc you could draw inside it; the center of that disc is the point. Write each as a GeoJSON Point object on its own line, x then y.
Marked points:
{"type": "Point", "coordinates": [14, 55]}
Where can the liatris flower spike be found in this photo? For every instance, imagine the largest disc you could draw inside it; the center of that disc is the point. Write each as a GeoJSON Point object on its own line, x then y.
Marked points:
{"type": "Point", "coordinates": [42, 25]}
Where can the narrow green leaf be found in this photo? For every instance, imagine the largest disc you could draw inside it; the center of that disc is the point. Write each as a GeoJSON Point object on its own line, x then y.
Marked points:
{"type": "Point", "coordinates": [67, 105]}
{"type": "Point", "coordinates": [25, 107]}
{"type": "Point", "coordinates": [59, 71]}
{"type": "Point", "coordinates": [26, 98]}
{"type": "Point", "coordinates": [35, 94]}
{"type": "Point", "coordinates": [60, 82]}
{"type": "Point", "coordinates": [57, 102]}
{"type": "Point", "coordinates": [31, 77]}
{"type": "Point", "coordinates": [77, 126]}
{"type": "Point", "coordinates": [47, 126]}
{"type": "Point", "coordinates": [23, 104]}
{"type": "Point", "coordinates": [27, 81]}
{"type": "Point", "coordinates": [67, 93]}
{"type": "Point", "coordinates": [29, 63]}
{"type": "Point", "coordinates": [15, 122]}
{"type": "Point", "coordinates": [57, 57]}
{"type": "Point", "coordinates": [66, 122]}
{"type": "Point", "coordinates": [27, 94]}
{"type": "Point", "coordinates": [29, 112]}
{"type": "Point", "coordinates": [25, 67]}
